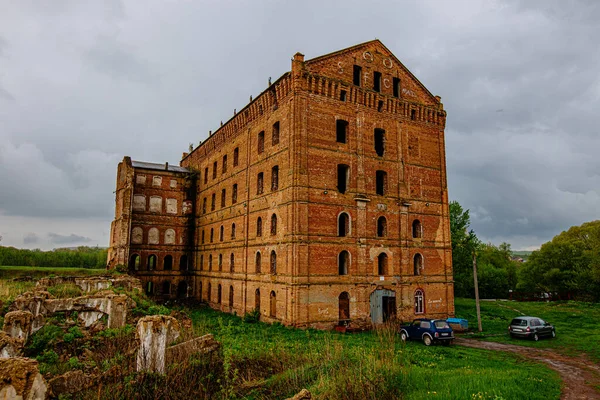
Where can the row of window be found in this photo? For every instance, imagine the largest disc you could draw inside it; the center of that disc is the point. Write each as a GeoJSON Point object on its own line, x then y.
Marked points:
{"type": "Point", "coordinates": [259, 230]}
{"type": "Point", "coordinates": [155, 204]}
{"type": "Point", "coordinates": [343, 180]}
{"type": "Point", "coordinates": [258, 262]}
{"type": "Point", "coordinates": [257, 296]}
{"type": "Point", "coordinates": [357, 79]}
{"type": "Point", "coordinates": [137, 236]}
{"type": "Point", "coordinates": [152, 262]}
{"type": "Point", "coordinates": [382, 264]}
{"type": "Point", "coordinates": [156, 181]}
{"type": "Point", "coordinates": [341, 136]}
{"type": "Point", "coordinates": [345, 224]}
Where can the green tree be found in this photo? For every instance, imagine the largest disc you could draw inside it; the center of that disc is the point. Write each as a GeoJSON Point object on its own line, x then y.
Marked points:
{"type": "Point", "coordinates": [464, 243]}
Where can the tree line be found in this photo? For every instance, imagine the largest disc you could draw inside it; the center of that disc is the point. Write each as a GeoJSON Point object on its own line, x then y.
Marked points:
{"type": "Point", "coordinates": [569, 263]}
{"type": "Point", "coordinates": [80, 257]}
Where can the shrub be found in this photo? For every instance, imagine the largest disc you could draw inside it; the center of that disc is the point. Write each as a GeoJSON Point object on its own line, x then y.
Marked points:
{"type": "Point", "coordinates": [44, 338]}
{"type": "Point", "coordinates": [48, 357]}
{"type": "Point", "coordinates": [252, 317]}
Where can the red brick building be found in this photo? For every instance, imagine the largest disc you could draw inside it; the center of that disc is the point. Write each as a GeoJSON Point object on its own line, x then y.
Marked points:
{"type": "Point", "coordinates": [323, 201]}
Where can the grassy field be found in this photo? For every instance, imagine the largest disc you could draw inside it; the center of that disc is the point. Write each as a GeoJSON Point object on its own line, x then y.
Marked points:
{"type": "Point", "coordinates": [7, 272]}
{"type": "Point", "coordinates": [577, 323]}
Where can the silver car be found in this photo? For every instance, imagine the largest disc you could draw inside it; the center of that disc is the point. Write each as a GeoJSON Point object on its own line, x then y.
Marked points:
{"type": "Point", "coordinates": [530, 327]}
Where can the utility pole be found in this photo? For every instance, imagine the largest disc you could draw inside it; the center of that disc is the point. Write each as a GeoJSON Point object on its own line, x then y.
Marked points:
{"type": "Point", "coordinates": [476, 291]}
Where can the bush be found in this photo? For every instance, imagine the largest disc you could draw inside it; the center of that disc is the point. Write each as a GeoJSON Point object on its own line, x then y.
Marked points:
{"type": "Point", "coordinates": [252, 317]}
{"type": "Point", "coordinates": [44, 338]}
{"type": "Point", "coordinates": [48, 357]}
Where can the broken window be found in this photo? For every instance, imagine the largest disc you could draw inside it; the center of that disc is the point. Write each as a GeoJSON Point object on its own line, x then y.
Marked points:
{"type": "Point", "coordinates": [357, 75]}
{"type": "Point", "coordinates": [273, 305]}
{"type": "Point", "coordinates": [231, 262]}
{"type": "Point", "coordinates": [396, 87]}
{"type": "Point", "coordinates": [259, 183]}
{"type": "Point", "coordinates": [166, 288]}
{"type": "Point", "coordinates": [377, 81]}
{"type": "Point", "coordinates": [341, 131]}
{"type": "Point", "coordinates": [342, 95]}
{"type": "Point", "coordinates": [379, 137]}
{"type": "Point", "coordinates": [418, 264]}
{"type": "Point", "coordinates": [213, 202]}
{"type": "Point", "coordinates": [232, 231]}
{"type": "Point", "coordinates": [257, 262]}
{"type": "Point", "coordinates": [344, 307]}
{"type": "Point", "coordinates": [224, 168]}
{"type": "Point", "coordinates": [204, 206]}
{"type": "Point", "coordinates": [416, 229]}
{"type": "Point", "coordinates": [343, 174]}
{"type": "Point", "coordinates": [343, 262]}
{"type": "Point", "coordinates": [381, 227]}
{"type": "Point", "coordinates": [134, 262]}
{"type": "Point", "coordinates": [221, 233]}
{"type": "Point", "coordinates": [236, 157]}
{"type": "Point", "coordinates": [168, 263]}
{"type": "Point", "coordinates": [381, 183]}
{"type": "Point", "coordinates": [382, 264]}
{"type": "Point", "coordinates": [220, 262]}
{"type": "Point", "coordinates": [234, 194]}
{"type": "Point", "coordinates": [257, 300]}
{"type": "Point", "coordinates": [275, 137]}
{"type": "Point", "coordinates": [273, 262]}
{"type": "Point", "coordinates": [261, 142]}
{"type": "Point", "coordinates": [259, 226]}
{"type": "Point", "coordinates": [343, 224]}
{"type": "Point", "coordinates": [275, 178]}
{"type": "Point", "coordinates": [419, 301]}
{"type": "Point", "coordinates": [273, 224]}
{"type": "Point", "coordinates": [214, 170]}
{"type": "Point", "coordinates": [223, 197]}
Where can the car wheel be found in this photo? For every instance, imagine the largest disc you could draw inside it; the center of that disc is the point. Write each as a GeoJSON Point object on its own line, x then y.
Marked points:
{"type": "Point", "coordinates": [403, 336]}
{"type": "Point", "coordinates": [536, 337]}
{"type": "Point", "coordinates": [427, 340]}
{"type": "Point", "coordinates": [553, 333]}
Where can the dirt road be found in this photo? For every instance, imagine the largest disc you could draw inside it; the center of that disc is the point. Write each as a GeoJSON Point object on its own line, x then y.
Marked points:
{"type": "Point", "coordinates": [579, 375]}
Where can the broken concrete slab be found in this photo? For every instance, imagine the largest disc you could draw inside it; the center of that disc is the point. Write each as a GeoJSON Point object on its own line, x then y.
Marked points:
{"type": "Point", "coordinates": [20, 379]}
{"type": "Point", "coordinates": [17, 324]}
{"type": "Point", "coordinates": [200, 345]}
{"type": "Point", "coordinates": [155, 333]}
{"type": "Point", "coordinates": [9, 346]}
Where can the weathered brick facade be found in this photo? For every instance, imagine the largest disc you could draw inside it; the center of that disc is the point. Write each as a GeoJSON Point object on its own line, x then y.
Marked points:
{"type": "Point", "coordinates": [323, 201]}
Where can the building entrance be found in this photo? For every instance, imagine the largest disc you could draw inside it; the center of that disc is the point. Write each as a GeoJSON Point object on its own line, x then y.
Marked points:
{"type": "Point", "coordinates": [383, 305]}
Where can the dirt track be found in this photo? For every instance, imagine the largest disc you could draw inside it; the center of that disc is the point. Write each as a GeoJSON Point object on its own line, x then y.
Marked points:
{"type": "Point", "coordinates": [579, 375]}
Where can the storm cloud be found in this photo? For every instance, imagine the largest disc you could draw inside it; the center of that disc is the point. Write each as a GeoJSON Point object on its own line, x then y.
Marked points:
{"type": "Point", "coordinates": [83, 83]}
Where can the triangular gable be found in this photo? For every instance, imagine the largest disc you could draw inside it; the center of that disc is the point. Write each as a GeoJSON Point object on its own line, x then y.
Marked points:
{"type": "Point", "coordinates": [371, 56]}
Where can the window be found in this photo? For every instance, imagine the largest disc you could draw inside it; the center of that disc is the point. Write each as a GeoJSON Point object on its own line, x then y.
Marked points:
{"type": "Point", "coordinates": [155, 204]}
{"type": "Point", "coordinates": [183, 263]}
{"type": "Point", "coordinates": [236, 157]}
{"type": "Point", "coordinates": [259, 183]}
{"type": "Point", "coordinates": [168, 263]}
{"type": "Point", "coordinates": [275, 178]}
{"type": "Point", "coordinates": [273, 305]}
{"type": "Point", "coordinates": [343, 95]}
{"type": "Point", "coordinates": [151, 264]}
{"type": "Point", "coordinates": [343, 174]}
{"type": "Point", "coordinates": [419, 301]}
{"type": "Point", "coordinates": [382, 264]}
{"type": "Point", "coordinates": [204, 206]}
{"type": "Point", "coordinates": [261, 142]}
{"type": "Point", "coordinates": [201, 262]}
{"type": "Point", "coordinates": [233, 231]}
{"type": "Point", "coordinates": [153, 236]}
{"type": "Point", "coordinates": [259, 226]}
{"type": "Point", "coordinates": [418, 264]}
{"type": "Point", "coordinates": [210, 262]}
{"type": "Point", "coordinates": [156, 180]}
{"type": "Point", "coordinates": [381, 227]}
{"type": "Point", "coordinates": [341, 131]}
{"type": "Point", "coordinates": [357, 75]}
{"type": "Point", "coordinates": [379, 137]}
{"type": "Point", "coordinates": [413, 114]}
{"type": "Point", "coordinates": [257, 262]}
{"type": "Point", "coordinates": [381, 183]}
{"type": "Point", "coordinates": [230, 296]}
{"type": "Point", "coordinates": [231, 262]}
{"type": "Point", "coordinates": [212, 234]}
{"type": "Point", "coordinates": [134, 262]}
{"type": "Point", "coordinates": [214, 170]}
{"type": "Point", "coordinates": [234, 194]}
{"type": "Point", "coordinates": [203, 236]}
{"type": "Point", "coordinates": [275, 137]}
{"type": "Point", "coordinates": [205, 175]}
{"type": "Point", "coordinates": [417, 230]}
{"type": "Point", "coordinates": [213, 201]}
{"type": "Point", "coordinates": [139, 202]}
{"type": "Point", "coordinates": [257, 300]}
{"type": "Point", "coordinates": [149, 288]}
{"type": "Point", "coordinates": [137, 235]}
{"type": "Point", "coordinates": [377, 81]}
{"type": "Point", "coordinates": [166, 288]}
{"type": "Point", "coordinates": [343, 262]}
{"type": "Point", "coordinates": [380, 106]}
{"type": "Point", "coordinates": [344, 306]}
{"type": "Point", "coordinates": [220, 262]}
{"type": "Point", "coordinates": [209, 292]}
{"type": "Point", "coordinates": [343, 224]}
{"type": "Point", "coordinates": [396, 87]}
{"type": "Point", "coordinates": [273, 262]}
{"type": "Point", "coordinates": [219, 294]}
{"type": "Point", "coordinates": [223, 197]}
{"type": "Point", "coordinates": [221, 233]}
{"type": "Point", "coordinates": [273, 225]}
{"type": "Point", "coordinates": [224, 168]}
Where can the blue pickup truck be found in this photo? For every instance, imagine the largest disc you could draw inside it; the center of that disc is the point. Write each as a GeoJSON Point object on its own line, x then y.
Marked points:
{"type": "Point", "coordinates": [428, 330]}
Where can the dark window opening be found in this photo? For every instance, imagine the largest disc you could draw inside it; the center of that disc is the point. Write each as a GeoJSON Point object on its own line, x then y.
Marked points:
{"type": "Point", "coordinates": [219, 294]}
{"type": "Point", "coordinates": [261, 142]}
{"type": "Point", "coordinates": [224, 168]}
{"type": "Point", "coordinates": [344, 306]}
{"type": "Point", "coordinates": [273, 262]}
{"type": "Point", "coordinates": [275, 137]}
{"type": "Point", "coordinates": [343, 174]}
{"type": "Point", "coordinates": [203, 236]}
{"type": "Point", "coordinates": [151, 264]}
{"type": "Point", "coordinates": [273, 224]}
{"type": "Point", "coordinates": [343, 262]}
{"type": "Point", "coordinates": [215, 170]}
{"type": "Point", "coordinates": [232, 231]}
{"type": "Point", "coordinates": [379, 137]}
{"type": "Point", "coordinates": [150, 288]}
{"type": "Point", "coordinates": [230, 296]}
{"type": "Point", "coordinates": [201, 262]}
{"type": "Point", "coordinates": [204, 206]}
{"type": "Point", "coordinates": [357, 75]}
{"type": "Point", "coordinates": [209, 293]}
{"type": "Point", "coordinates": [341, 131]}
{"type": "Point", "coordinates": [381, 183]}
{"type": "Point", "coordinates": [221, 233]}
{"type": "Point", "coordinates": [396, 87]}
{"type": "Point", "coordinates": [168, 263]}
{"type": "Point", "coordinates": [257, 262]}
{"type": "Point", "coordinates": [259, 183]}
{"type": "Point", "coordinates": [413, 114]}
{"type": "Point", "coordinates": [377, 81]}
{"type": "Point", "coordinates": [205, 175]}
{"type": "Point", "coordinates": [212, 234]}
{"type": "Point", "coordinates": [223, 197]}
{"type": "Point", "coordinates": [166, 288]}
{"type": "Point", "coordinates": [382, 264]}
{"type": "Point", "coordinates": [134, 262]}
{"type": "Point", "coordinates": [183, 263]}
{"type": "Point", "coordinates": [343, 225]}
{"type": "Point", "coordinates": [416, 229]}
{"type": "Point", "coordinates": [210, 262]}
{"type": "Point", "coordinates": [231, 262]}
{"type": "Point", "coordinates": [275, 178]}
{"type": "Point", "coordinates": [257, 300]}
{"type": "Point", "coordinates": [220, 262]}
{"type": "Point", "coordinates": [380, 106]}
{"type": "Point", "coordinates": [273, 305]}
{"type": "Point", "coordinates": [234, 194]}
{"type": "Point", "coordinates": [381, 227]}
{"type": "Point", "coordinates": [343, 95]}
{"type": "Point", "coordinates": [259, 226]}
{"type": "Point", "coordinates": [418, 264]}
{"type": "Point", "coordinates": [236, 157]}
{"type": "Point", "coordinates": [213, 202]}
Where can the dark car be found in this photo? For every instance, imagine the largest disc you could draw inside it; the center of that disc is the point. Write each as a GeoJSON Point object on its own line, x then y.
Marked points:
{"type": "Point", "coordinates": [530, 327]}
{"type": "Point", "coordinates": [428, 330]}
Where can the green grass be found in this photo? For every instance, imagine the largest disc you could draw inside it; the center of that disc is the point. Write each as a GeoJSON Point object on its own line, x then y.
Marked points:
{"type": "Point", "coordinates": [7, 272]}
{"type": "Point", "coordinates": [577, 323]}
{"type": "Point", "coordinates": [273, 361]}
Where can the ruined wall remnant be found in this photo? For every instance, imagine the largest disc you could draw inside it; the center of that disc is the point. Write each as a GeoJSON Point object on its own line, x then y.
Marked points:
{"type": "Point", "coordinates": [200, 345]}
{"type": "Point", "coordinates": [155, 333]}
{"type": "Point", "coordinates": [9, 346]}
{"type": "Point", "coordinates": [17, 324]}
{"type": "Point", "coordinates": [93, 283]}
{"type": "Point", "coordinates": [21, 379]}
{"type": "Point", "coordinates": [70, 382]}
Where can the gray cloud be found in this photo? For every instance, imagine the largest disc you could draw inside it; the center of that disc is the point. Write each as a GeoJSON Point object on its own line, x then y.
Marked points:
{"type": "Point", "coordinates": [31, 238]}
{"type": "Point", "coordinates": [84, 83]}
{"type": "Point", "coordinates": [55, 238]}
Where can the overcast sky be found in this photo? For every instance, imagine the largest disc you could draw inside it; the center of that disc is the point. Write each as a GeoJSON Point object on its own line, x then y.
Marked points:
{"type": "Point", "coordinates": [83, 83]}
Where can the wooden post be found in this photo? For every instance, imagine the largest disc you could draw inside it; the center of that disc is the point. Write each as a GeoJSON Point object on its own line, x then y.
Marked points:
{"type": "Point", "coordinates": [476, 291]}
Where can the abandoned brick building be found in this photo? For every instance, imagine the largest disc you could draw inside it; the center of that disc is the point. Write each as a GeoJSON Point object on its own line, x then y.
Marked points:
{"type": "Point", "coordinates": [321, 202]}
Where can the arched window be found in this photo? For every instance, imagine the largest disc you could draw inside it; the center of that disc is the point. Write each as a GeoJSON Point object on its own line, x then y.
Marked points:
{"type": "Point", "coordinates": [273, 305]}
{"type": "Point", "coordinates": [418, 264]}
{"type": "Point", "coordinates": [258, 262]}
{"type": "Point", "coordinates": [261, 142]}
{"type": "Point", "coordinates": [257, 300]}
{"type": "Point", "coordinates": [220, 262]}
{"type": "Point", "coordinates": [273, 224]}
{"type": "Point", "coordinates": [219, 294]}
{"type": "Point", "coordinates": [201, 262]}
{"type": "Point", "coordinates": [203, 235]}
{"type": "Point", "coordinates": [210, 262]}
{"type": "Point", "coordinates": [151, 264]}
{"type": "Point", "coordinates": [170, 236]}
{"type": "Point", "coordinates": [134, 262]}
{"type": "Point", "coordinates": [212, 234]}
{"type": "Point", "coordinates": [344, 306]}
{"type": "Point", "coordinates": [232, 231]}
{"type": "Point", "coordinates": [221, 233]}
{"type": "Point", "coordinates": [343, 262]}
{"type": "Point", "coordinates": [382, 264]}
{"type": "Point", "coordinates": [208, 293]}
{"type": "Point", "coordinates": [259, 226]}
{"type": "Point", "coordinates": [149, 288]}
{"type": "Point", "coordinates": [381, 227]}
{"type": "Point", "coordinates": [153, 236]}
{"type": "Point", "coordinates": [417, 229]}
{"type": "Point", "coordinates": [343, 224]}
{"type": "Point", "coordinates": [419, 301]}
{"type": "Point", "coordinates": [273, 262]}
{"type": "Point", "coordinates": [231, 262]}
{"type": "Point", "coordinates": [183, 263]}
{"type": "Point", "coordinates": [168, 263]}
{"type": "Point", "coordinates": [137, 235]}
{"type": "Point", "coordinates": [231, 296]}
{"type": "Point", "coordinates": [275, 178]}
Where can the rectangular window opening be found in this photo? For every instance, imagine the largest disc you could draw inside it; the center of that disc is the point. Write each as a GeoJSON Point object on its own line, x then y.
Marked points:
{"type": "Point", "coordinates": [380, 106]}
{"type": "Point", "coordinates": [379, 137]}
{"type": "Point", "coordinates": [275, 138]}
{"type": "Point", "coordinates": [413, 114]}
{"type": "Point", "coordinates": [343, 95]}
{"type": "Point", "coordinates": [259, 183]}
{"type": "Point", "coordinates": [396, 87]}
{"type": "Point", "coordinates": [357, 75]}
{"type": "Point", "coordinates": [377, 81]}
{"type": "Point", "coordinates": [341, 130]}
{"type": "Point", "coordinates": [236, 156]}
{"type": "Point", "coordinates": [275, 178]}
{"type": "Point", "coordinates": [343, 172]}
{"type": "Point", "coordinates": [381, 183]}
{"type": "Point", "coordinates": [224, 169]}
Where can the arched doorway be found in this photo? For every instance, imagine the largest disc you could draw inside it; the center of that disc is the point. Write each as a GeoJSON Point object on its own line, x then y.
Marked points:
{"type": "Point", "coordinates": [273, 305]}
{"type": "Point", "coordinates": [344, 308]}
{"type": "Point", "coordinates": [182, 289]}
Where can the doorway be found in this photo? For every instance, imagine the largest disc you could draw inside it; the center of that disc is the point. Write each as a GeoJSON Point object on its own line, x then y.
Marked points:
{"type": "Point", "coordinates": [383, 305]}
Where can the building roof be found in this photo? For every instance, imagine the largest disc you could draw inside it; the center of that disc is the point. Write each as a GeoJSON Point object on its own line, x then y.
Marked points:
{"type": "Point", "coordinates": [158, 167]}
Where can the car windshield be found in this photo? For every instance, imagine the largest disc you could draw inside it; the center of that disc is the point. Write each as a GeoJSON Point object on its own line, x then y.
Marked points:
{"type": "Point", "coordinates": [519, 322]}
{"type": "Point", "coordinates": [441, 324]}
